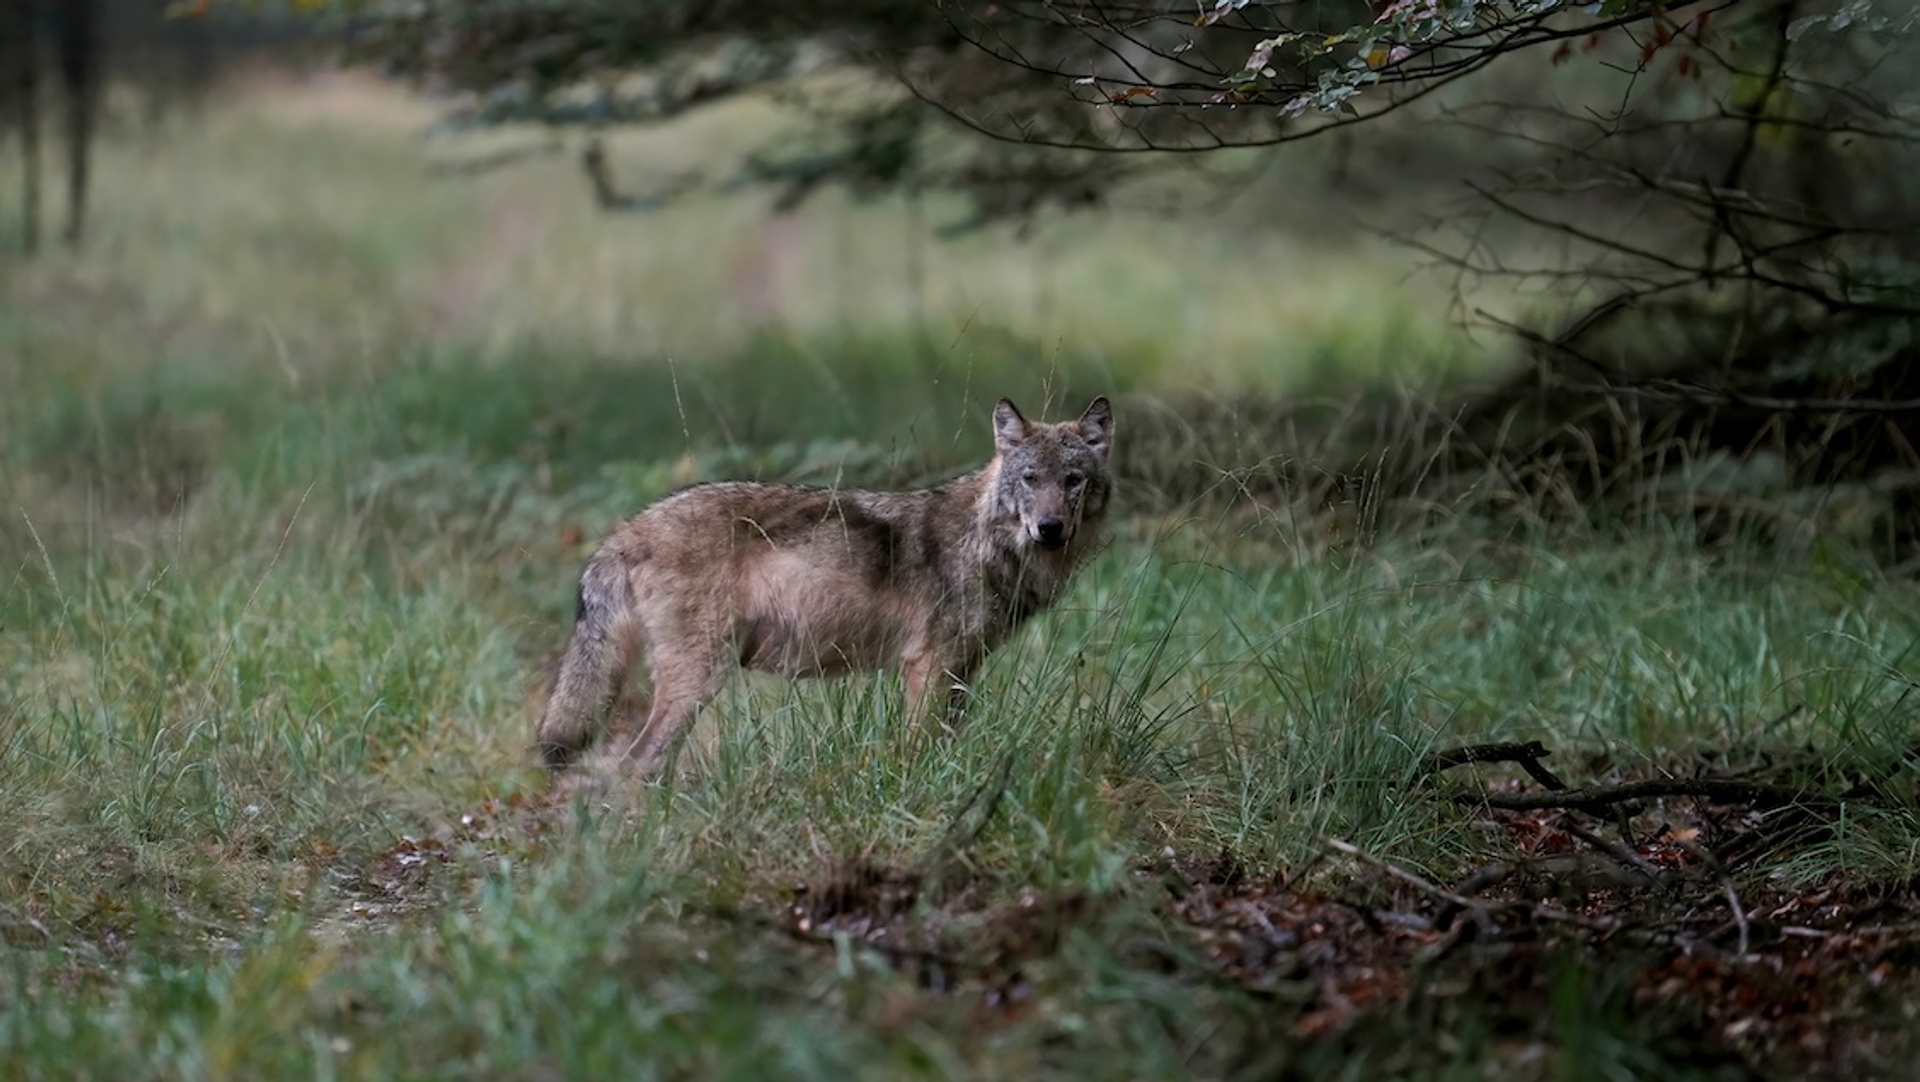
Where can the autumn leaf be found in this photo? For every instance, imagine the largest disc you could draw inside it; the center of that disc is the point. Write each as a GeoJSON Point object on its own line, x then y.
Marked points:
{"type": "Point", "coordinates": [1262, 53]}
{"type": "Point", "coordinates": [1381, 56]}
{"type": "Point", "coordinates": [1219, 12]}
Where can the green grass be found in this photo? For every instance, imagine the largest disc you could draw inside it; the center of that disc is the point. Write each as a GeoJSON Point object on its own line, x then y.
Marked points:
{"type": "Point", "coordinates": [285, 542]}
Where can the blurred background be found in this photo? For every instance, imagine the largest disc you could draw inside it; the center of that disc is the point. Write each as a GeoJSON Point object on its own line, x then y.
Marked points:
{"type": "Point", "coordinates": [1569, 261]}
{"type": "Point", "coordinates": [1484, 370]}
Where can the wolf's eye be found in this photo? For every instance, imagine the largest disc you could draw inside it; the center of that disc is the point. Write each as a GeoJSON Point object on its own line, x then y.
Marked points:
{"type": "Point", "coordinates": [1075, 480]}
{"type": "Point", "coordinates": [1029, 477]}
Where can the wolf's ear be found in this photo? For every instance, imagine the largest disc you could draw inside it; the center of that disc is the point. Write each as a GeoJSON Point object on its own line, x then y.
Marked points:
{"type": "Point", "coordinates": [1009, 428]}
{"type": "Point", "coordinates": [1096, 425]}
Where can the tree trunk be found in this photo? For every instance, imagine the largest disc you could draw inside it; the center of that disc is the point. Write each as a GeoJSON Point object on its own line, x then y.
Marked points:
{"type": "Point", "coordinates": [77, 34]}
{"type": "Point", "coordinates": [20, 105]}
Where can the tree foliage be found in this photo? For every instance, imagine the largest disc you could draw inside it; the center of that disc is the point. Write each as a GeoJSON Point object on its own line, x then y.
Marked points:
{"type": "Point", "coordinates": [1745, 154]}
{"type": "Point", "coordinates": [1132, 76]}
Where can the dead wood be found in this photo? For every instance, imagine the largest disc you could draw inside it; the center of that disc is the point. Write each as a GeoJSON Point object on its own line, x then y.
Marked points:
{"type": "Point", "coordinates": [1528, 755]}
{"type": "Point", "coordinates": [1596, 798]}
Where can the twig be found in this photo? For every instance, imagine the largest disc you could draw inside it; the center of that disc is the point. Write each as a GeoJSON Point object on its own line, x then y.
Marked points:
{"type": "Point", "coordinates": [1621, 852]}
{"type": "Point", "coordinates": [1756, 122]}
{"type": "Point", "coordinates": [1479, 880]}
{"type": "Point", "coordinates": [1487, 875]}
{"type": "Point", "coordinates": [1739, 913]}
{"type": "Point", "coordinates": [1707, 857]}
{"type": "Point", "coordinates": [1674, 391]}
{"type": "Point", "coordinates": [1407, 877]}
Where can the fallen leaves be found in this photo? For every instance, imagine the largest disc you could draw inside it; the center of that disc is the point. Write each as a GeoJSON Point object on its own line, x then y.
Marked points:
{"type": "Point", "coordinates": [1662, 894]}
{"type": "Point", "coordinates": [398, 879]}
{"type": "Point", "coordinates": [1744, 967]}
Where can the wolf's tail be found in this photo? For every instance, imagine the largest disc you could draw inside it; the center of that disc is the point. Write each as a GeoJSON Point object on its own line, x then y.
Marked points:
{"type": "Point", "coordinates": [599, 654]}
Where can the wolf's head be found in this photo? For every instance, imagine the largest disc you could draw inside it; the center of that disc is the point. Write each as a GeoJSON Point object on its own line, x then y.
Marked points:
{"type": "Point", "coordinates": [1053, 477]}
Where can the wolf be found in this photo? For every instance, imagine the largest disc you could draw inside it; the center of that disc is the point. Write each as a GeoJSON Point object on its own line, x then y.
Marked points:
{"type": "Point", "coordinates": [821, 582]}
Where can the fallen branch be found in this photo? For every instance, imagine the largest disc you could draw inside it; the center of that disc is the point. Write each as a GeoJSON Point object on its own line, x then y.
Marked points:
{"type": "Point", "coordinates": [1597, 797]}
{"type": "Point", "coordinates": [1528, 755]}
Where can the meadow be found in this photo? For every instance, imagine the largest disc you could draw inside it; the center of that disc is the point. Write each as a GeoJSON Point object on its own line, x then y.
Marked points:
{"type": "Point", "coordinates": [303, 452]}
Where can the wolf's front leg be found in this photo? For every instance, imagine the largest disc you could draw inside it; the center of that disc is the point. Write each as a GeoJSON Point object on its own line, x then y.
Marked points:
{"type": "Point", "coordinates": [937, 691]}
{"type": "Point", "coordinates": [682, 681]}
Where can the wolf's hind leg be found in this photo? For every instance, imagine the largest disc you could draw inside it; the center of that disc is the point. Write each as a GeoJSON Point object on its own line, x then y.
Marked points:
{"type": "Point", "coordinates": [599, 655]}
{"type": "Point", "coordinates": [627, 722]}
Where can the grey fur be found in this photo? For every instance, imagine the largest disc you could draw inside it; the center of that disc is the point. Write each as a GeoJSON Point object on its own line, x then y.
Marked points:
{"type": "Point", "coordinates": [821, 582]}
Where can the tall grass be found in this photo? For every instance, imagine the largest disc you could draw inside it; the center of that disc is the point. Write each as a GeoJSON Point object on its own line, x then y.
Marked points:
{"type": "Point", "coordinates": [289, 530]}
